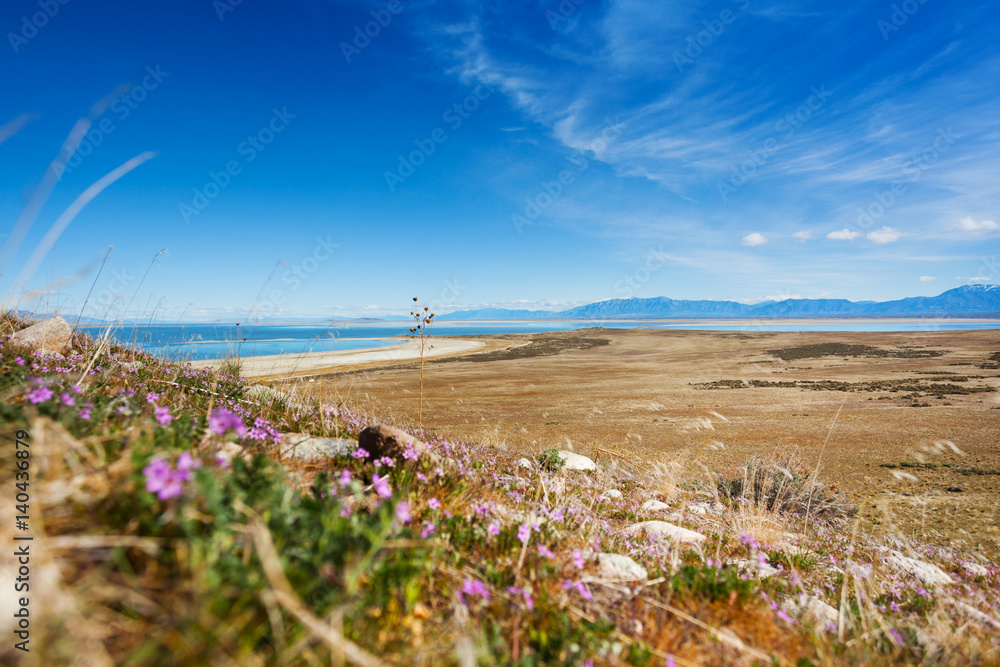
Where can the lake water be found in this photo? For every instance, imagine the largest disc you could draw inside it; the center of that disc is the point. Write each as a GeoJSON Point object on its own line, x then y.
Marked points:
{"type": "Point", "coordinates": [214, 341]}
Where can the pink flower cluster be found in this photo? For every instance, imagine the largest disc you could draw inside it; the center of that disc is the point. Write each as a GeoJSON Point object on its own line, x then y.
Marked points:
{"type": "Point", "coordinates": [166, 481]}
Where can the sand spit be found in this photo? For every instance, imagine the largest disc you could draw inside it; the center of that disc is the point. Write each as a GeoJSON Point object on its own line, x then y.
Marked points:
{"type": "Point", "coordinates": [315, 363]}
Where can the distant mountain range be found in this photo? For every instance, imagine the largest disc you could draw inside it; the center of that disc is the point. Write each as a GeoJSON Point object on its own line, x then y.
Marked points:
{"type": "Point", "coordinates": [967, 301]}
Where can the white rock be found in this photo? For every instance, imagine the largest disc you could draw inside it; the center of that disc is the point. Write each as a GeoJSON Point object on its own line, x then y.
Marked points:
{"type": "Point", "coordinates": [983, 618]}
{"type": "Point", "coordinates": [526, 464]}
{"type": "Point", "coordinates": [755, 568]}
{"type": "Point", "coordinates": [812, 607]}
{"type": "Point", "coordinates": [306, 447]}
{"type": "Point", "coordinates": [611, 494]}
{"type": "Point", "coordinates": [928, 573]}
{"type": "Point", "coordinates": [701, 509]}
{"type": "Point", "coordinates": [573, 461]}
{"type": "Point", "coordinates": [654, 506]}
{"type": "Point", "coordinates": [661, 530]}
{"type": "Point", "coordinates": [616, 567]}
{"type": "Point", "coordinates": [53, 334]}
{"type": "Point", "coordinates": [975, 569]}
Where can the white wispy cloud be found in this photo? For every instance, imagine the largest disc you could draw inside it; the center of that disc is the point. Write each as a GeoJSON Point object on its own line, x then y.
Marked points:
{"type": "Point", "coordinates": [804, 235]}
{"type": "Point", "coordinates": [843, 235]}
{"type": "Point", "coordinates": [969, 225]}
{"type": "Point", "coordinates": [754, 239]}
{"type": "Point", "coordinates": [884, 235]}
{"type": "Point", "coordinates": [927, 279]}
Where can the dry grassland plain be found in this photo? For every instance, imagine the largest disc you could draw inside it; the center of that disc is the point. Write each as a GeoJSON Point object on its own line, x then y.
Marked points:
{"type": "Point", "coordinates": [906, 424]}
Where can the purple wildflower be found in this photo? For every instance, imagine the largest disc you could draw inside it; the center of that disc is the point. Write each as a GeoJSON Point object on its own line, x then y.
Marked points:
{"type": "Point", "coordinates": [545, 552]}
{"type": "Point", "coordinates": [428, 530]}
{"type": "Point", "coordinates": [345, 479]}
{"type": "Point", "coordinates": [578, 560]}
{"type": "Point", "coordinates": [403, 514]}
{"type": "Point", "coordinates": [748, 540]}
{"type": "Point", "coordinates": [152, 397]}
{"type": "Point", "coordinates": [434, 503]}
{"type": "Point", "coordinates": [161, 480]}
{"type": "Point", "coordinates": [579, 587]}
{"type": "Point", "coordinates": [523, 533]}
{"type": "Point", "coordinates": [85, 413]}
{"type": "Point", "coordinates": [222, 421]}
{"type": "Point", "coordinates": [381, 485]}
{"type": "Point", "coordinates": [525, 593]}
{"type": "Point", "coordinates": [360, 453]}
{"type": "Point", "coordinates": [185, 464]}
{"type": "Point", "coordinates": [67, 399]}
{"type": "Point", "coordinates": [493, 529]}
{"type": "Point", "coordinates": [472, 587]}
{"type": "Point", "coordinates": [40, 395]}
{"type": "Point", "coordinates": [20, 361]}
{"type": "Point", "coordinates": [163, 415]}
{"type": "Point", "coordinates": [410, 454]}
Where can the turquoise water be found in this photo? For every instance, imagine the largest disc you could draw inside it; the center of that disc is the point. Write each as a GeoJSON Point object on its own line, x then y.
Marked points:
{"type": "Point", "coordinates": [214, 341]}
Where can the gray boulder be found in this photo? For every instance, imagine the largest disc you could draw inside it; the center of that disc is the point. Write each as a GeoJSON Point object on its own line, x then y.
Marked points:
{"type": "Point", "coordinates": [928, 573]}
{"type": "Point", "coordinates": [654, 506]}
{"type": "Point", "coordinates": [572, 461]}
{"type": "Point", "coordinates": [309, 448]}
{"type": "Point", "coordinates": [616, 567]}
{"type": "Point", "coordinates": [661, 530]}
{"type": "Point", "coordinates": [813, 608]}
{"type": "Point", "coordinates": [52, 335]}
{"type": "Point", "coordinates": [754, 568]}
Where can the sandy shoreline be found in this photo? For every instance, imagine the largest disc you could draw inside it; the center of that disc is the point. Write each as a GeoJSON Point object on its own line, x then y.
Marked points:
{"type": "Point", "coordinates": [313, 363]}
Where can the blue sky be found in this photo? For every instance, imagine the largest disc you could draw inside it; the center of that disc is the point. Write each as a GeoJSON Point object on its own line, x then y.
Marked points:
{"type": "Point", "coordinates": [514, 154]}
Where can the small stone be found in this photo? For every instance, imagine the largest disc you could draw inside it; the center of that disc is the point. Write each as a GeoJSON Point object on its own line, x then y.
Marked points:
{"type": "Point", "coordinates": [928, 573]}
{"type": "Point", "coordinates": [978, 615]}
{"type": "Point", "coordinates": [381, 440]}
{"type": "Point", "coordinates": [229, 451]}
{"type": "Point", "coordinates": [573, 461]}
{"type": "Point", "coordinates": [654, 506]}
{"type": "Point", "coordinates": [955, 489]}
{"type": "Point", "coordinates": [701, 509]}
{"type": "Point", "coordinates": [611, 494]}
{"type": "Point", "coordinates": [308, 448]}
{"type": "Point", "coordinates": [52, 335]}
{"type": "Point", "coordinates": [976, 570]}
{"type": "Point", "coordinates": [616, 567]}
{"type": "Point", "coordinates": [755, 568]}
{"type": "Point", "coordinates": [525, 463]}
{"type": "Point", "coordinates": [814, 608]}
{"type": "Point", "coordinates": [511, 480]}
{"type": "Point", "coordinates": [661, 530]}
